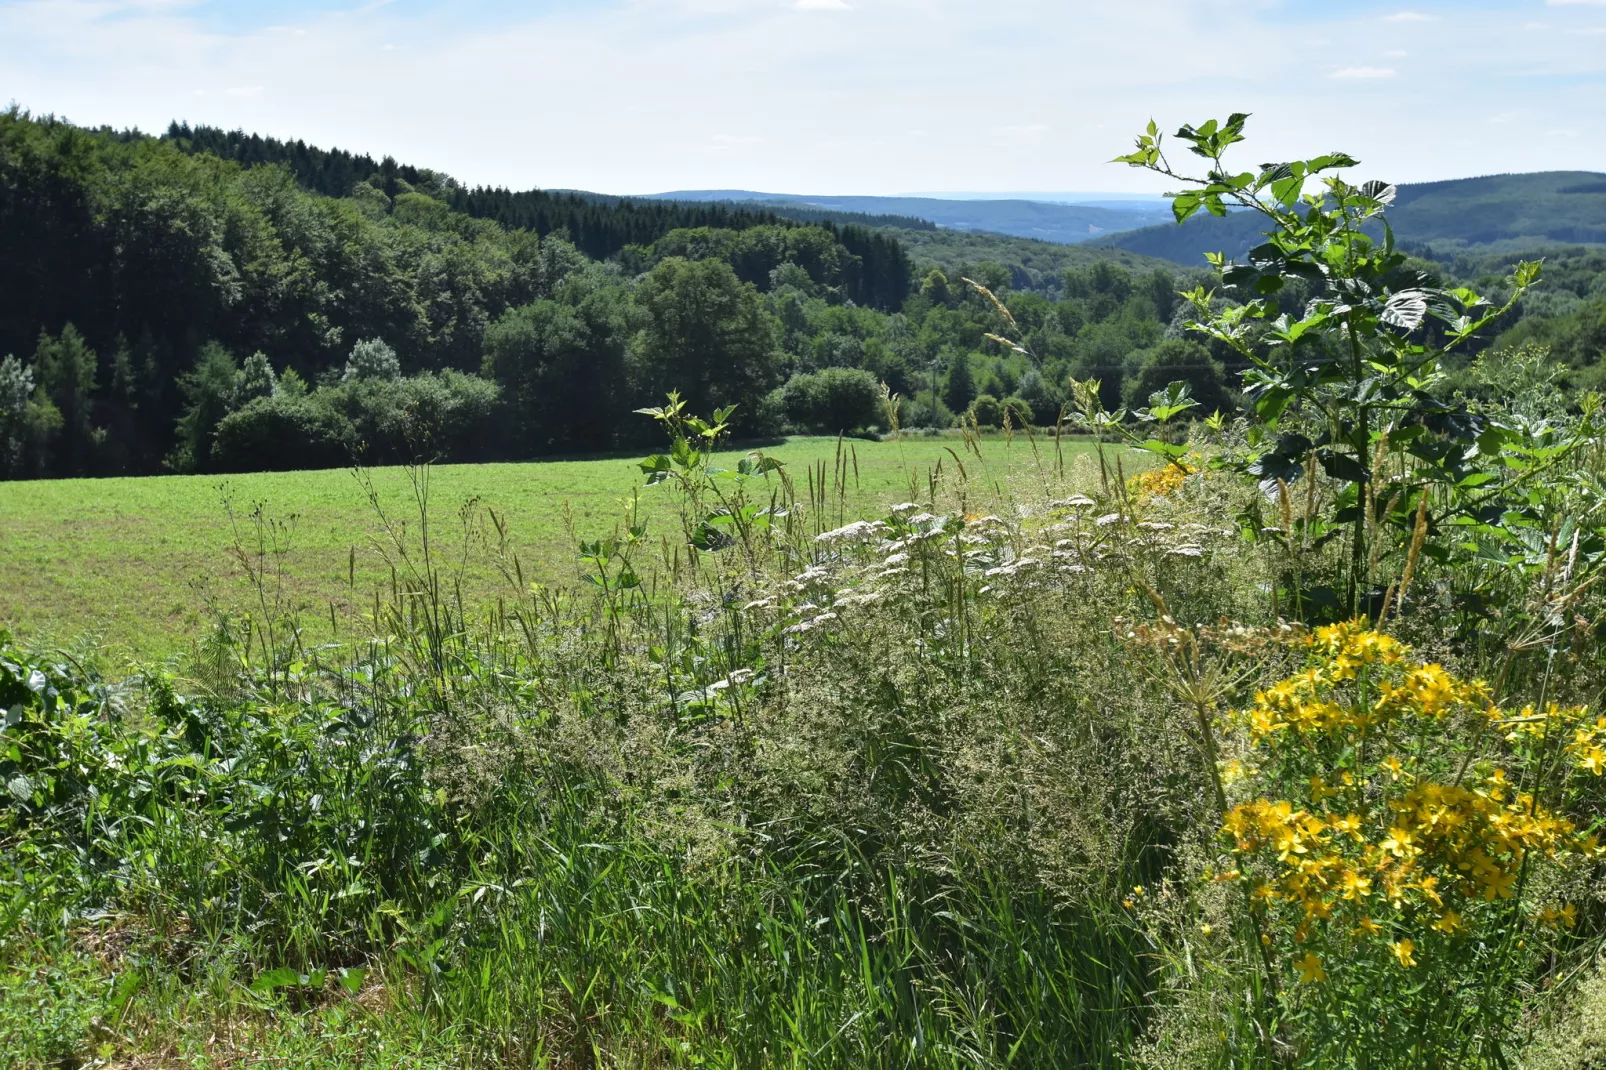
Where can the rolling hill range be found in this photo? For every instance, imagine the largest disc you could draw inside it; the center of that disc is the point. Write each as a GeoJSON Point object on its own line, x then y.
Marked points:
{"type": "Point", "coordinates": [1065, 223]}
{"type": "Point", "coordinates": [1494, 213]}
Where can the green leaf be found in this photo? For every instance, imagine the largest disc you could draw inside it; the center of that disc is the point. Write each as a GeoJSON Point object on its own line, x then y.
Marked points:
{"type": "Point", "coordinates": [1164, 404]}
{"type": "Point", "coordinates": [1164, 449]}
{"type": "Point", "coordinates": [283, 977]}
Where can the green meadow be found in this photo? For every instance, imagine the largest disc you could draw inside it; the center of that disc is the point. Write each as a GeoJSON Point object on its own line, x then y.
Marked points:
{"type": "Point", "coordinates": [138, 563]}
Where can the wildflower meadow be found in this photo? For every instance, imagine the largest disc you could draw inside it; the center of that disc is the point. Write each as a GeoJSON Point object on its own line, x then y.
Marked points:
{"type": "Point", "coordinates": [1157, 737]}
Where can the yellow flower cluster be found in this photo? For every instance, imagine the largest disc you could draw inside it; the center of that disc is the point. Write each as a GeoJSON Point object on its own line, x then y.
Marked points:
{"type": "Point", "coordinates": [1373, 846]}
{"type": "Point", "coordinates": [1425, 855]}
{"type": "Point", "coordinates": [1587, 745]}
{"type": "Point", "coordinates": [1588, 748]}
{"type": "Point", "coordinates": [1348, 646]}
{"type": "Point", "coordinates": [1441, 843]}
{"type": "Point", "coordinates": [1165, 480]}
{"type": "Point", "coordinates": [1305, 703]}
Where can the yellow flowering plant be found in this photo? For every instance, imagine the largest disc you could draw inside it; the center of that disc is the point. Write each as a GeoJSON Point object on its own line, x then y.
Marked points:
{"type": "Point", "coordinates": [1167, 479]}
{"type": "Point", "coordinates": [1387, 823]}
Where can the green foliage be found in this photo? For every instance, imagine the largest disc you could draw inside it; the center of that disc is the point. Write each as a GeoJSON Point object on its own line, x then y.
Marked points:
{"type": "Point", "coordinates": [708, 336]}
{"type": "Point", "coordinates": [986, 411]}
{"type": "Point", "coordinates": [67, 370]}
{"type": "Point", "coordinates": [960, 389]}
{"type": "Point", "coordinates": [1347, 408]}
{"type": "Point", "coordinates": [210, 390]}
{"type": "Point", "coordinates": [372, 359]}
{"type": "Point", "coordinates": [1347, 381]}
{"type": "Point", "coordinates": [832, 401]}
{"type": "Point", "coordinates": [157, 249]}
{"type": "Point", "coordinates": [29, 421]}
{"type": "Point", "coordinates": [1043, 402]}
{"type": "Point", "coordinates": [256, 380]}
{"type": "Point", "coordinates": [562, 369]}
{"type": "Point", "coordinates": [1175, 360]}
{"type": "Point", "coordinates": [285, 433]}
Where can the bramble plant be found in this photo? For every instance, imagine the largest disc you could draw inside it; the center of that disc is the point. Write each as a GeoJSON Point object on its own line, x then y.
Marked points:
{"type": "Point", "coordinates": [1392, 831]}
{"type": "Point", "coordinates": [689, 467]}
{"type": "Point", "coordinates": [1347, 382]}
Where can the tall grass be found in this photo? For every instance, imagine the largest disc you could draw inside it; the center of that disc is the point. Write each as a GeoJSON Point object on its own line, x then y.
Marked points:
{"type": "Point", "coordinates": [775, 787]}
{"type": "Point", "coordinates": [813, 797]}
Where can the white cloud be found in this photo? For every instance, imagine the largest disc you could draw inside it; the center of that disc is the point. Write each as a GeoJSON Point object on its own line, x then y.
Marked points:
{"type": "Point", "coordinates": [1410, 16]}
{"type": "Point", "coordinates": [821, 5]}
{"type": "Point", "coordinates": [1575, 3]}
{"type": "Point", "coordinates": [1397, 53]}
{"type": "Point", "coordinates": [664, 79]}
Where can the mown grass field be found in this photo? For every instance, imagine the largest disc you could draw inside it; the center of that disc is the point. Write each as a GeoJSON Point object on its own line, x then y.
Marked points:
{"type": "Point", "coordinates": [138, 563]}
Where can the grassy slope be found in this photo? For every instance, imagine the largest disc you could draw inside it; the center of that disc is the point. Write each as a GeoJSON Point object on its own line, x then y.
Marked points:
{"type": "Point", "coordinates": [135, 560]}
{"type": "Point", "coordinates": [1498, 211]}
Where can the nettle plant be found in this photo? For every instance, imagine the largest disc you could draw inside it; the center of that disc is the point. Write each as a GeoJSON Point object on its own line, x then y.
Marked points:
{"type": "Point", "coordinates": [1346, 384]}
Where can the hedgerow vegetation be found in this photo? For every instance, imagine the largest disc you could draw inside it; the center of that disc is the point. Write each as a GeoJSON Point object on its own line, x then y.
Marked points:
{"type": "Point", "coordinates": [1284, 752]}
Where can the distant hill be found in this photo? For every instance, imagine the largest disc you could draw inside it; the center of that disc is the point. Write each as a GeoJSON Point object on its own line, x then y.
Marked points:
{"type": "Point", "coordinates": [1064, 223]}
{"type": "Point", "coordinates": [742, 202]}
{"type": "Point", "coordinates": [1492, 214]}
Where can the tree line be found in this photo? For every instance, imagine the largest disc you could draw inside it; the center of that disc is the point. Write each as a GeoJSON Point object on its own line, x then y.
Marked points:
{"type": "Point", "coordinates": [202, 302]}
{"type": "Point", "coordinates": [599, 226]}
{"type": "Point", "coordinates": [205, 303]}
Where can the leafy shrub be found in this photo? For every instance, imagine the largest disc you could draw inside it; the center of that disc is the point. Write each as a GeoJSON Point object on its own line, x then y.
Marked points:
{"type": "Point", "coordinates": [255, 380]}
{"type": "Point", "coordinates": [283, 433]}
{"type": "Point", "coordinates": [1042, 400]}
{"type": "Point", "coordinates": [448, 415]}
{"type": "Point", "coordinates": [1179, 361]}
{"type": "Point", "coordinates": [923, 410]}
{"type": "Point", "coordinates": [833, 400]}
{"type": "Point", "coordinates": [985, 411]}
{"type": "Point", "coordinates": [1018, 410]}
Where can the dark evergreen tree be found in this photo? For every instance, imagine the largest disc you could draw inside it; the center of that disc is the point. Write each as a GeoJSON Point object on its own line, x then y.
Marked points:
{"type": "Point", "coordinates": [960, 389]}
{"type": "Point", "coordinates": [66, 368]}
{"type": "Point", "coordinates": [209, 389]}
{"type": "Point", "coordinates": [1179, 361]}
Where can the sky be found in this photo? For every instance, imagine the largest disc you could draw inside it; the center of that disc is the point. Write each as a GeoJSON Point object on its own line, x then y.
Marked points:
{"type": "Point", "coordinates": [833, 96]}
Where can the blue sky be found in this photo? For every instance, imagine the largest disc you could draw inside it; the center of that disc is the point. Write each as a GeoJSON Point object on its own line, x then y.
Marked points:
{"type": "Point", "coordinates": [833, 96]}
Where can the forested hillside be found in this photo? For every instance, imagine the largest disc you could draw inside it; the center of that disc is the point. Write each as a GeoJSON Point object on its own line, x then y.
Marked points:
{"type": "Point", "coordinates": [165, 307]}
{"type": "Point", "coordinates": [1501, 213]}
{"type": "Point", "coordinates": [599, 226]}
